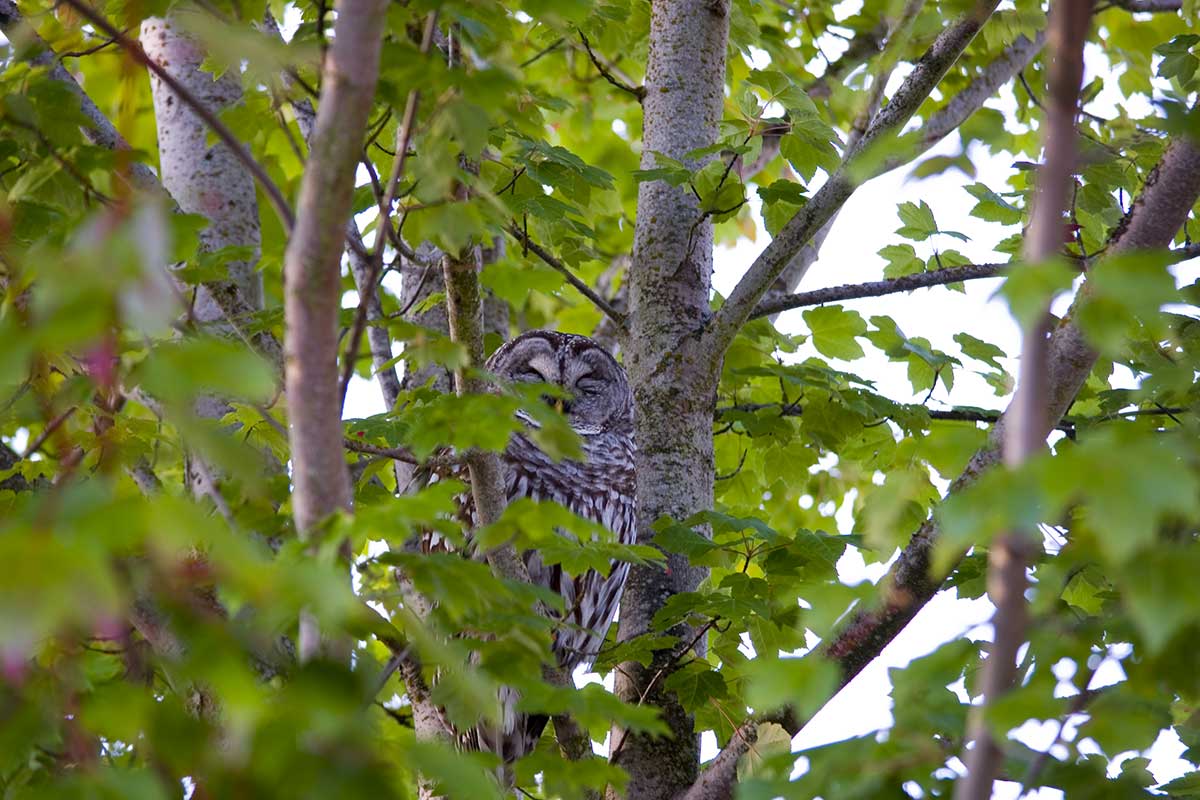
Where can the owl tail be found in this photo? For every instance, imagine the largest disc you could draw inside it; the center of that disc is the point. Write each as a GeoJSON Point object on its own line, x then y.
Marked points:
{"type": "Point", "coordinates": [516, 735]}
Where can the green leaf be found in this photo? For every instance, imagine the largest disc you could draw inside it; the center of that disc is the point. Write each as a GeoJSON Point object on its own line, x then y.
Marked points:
{"type": "Point", "coordinates": [834, 330]}
{"type": "Point", "coordinates": [918, 222]}
{"type": "Point", "coordinates": [772, 740]}
{"type": "Point", "coordinates": [980, 350]}
{"type": "Point", "coordinates": [1184, 786]}
{"type": "Point", "coordinates": [803, 683]}
{"type": "Point", "coordinates": [1029, 288]}
{"type": "Point", "coordinates": [696, 684]}
{"type": "Point", "coordinates": [178, 372]}
{"type": "Point", "coordinates": [902, 260]}
{"type": "Point", "coordinates": [992, 207]}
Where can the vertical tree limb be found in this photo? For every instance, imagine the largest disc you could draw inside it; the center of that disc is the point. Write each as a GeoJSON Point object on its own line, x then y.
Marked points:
{"type": "Point", "coordinates": [379, 341]}
{"type": "Point", "coordinates": [210, 181]}
{"type": "Point", "coordinates": [1025, 433]}
{"type": "Point", "coordinates": [312, 269]}
{"type": "Point", "coordinates": [669, 283]}
{"type": "Point", "coordinates": [464, 306]}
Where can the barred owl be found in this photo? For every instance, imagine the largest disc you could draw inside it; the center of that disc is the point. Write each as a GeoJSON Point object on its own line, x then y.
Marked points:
{"type": "Point", "coordinates": [599, 407]}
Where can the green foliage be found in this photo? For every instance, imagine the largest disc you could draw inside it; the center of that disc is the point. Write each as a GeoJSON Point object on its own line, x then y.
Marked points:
{"type": "Point", "coordinates": [145, 629]}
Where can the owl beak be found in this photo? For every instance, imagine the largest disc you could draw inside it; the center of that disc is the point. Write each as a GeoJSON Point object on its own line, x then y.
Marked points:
{"type": "Point", "coordinates": [558, 404]}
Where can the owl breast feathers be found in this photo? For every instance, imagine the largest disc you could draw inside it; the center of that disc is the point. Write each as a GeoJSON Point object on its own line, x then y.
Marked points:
{"type": "Point", "coordinates": [600, 488]}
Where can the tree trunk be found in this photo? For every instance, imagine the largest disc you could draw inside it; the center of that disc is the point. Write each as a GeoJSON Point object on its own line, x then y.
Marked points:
{"type": "Point", "coordinates": [674, 380]}
{"type": "Point", "coordinates": [205, 180]}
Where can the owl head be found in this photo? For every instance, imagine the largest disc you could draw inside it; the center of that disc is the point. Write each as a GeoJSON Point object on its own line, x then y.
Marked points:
{"type": "Point", "coordinates": [598, 396]}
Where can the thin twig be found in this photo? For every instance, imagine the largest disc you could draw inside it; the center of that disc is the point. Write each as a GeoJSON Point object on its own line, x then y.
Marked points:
{"type": "Point", "coordinates": [48, 431]}
{"type": "Point", "coordinates": [828, 200]}
{"type": "Point", "coordinates": [403, 136]}
{"type": "Point", "coordinates": [1077, 704]}
{"type": "Point", "coordinates": [531, 246]}
{"type": "Point", "coordinates": [544, 51]}
{"type": "Point", "coordinates": [637, 91]}
{"type": "Point", "coordinates": [855, 291]}
{"type": "Point", "coordinates": [439, 462]}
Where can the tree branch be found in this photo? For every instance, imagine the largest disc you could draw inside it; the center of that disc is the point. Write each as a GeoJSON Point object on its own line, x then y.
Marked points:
{"type": "Point", "coordinates": [465, 306]}
{"type": "Point", "coordinates": [378, 339]}
{"type": "Point", "coordinates": [1168, 195]}
{"type": "Point", "coordinates": [855, 291]}
{"type": "Point", "coordinates": [616, 316]}
{"type": "Point", "coordinates": [1147, 6]}
{"type": "Point", "coordinates": [925, 76]}
{"type": "Point", "coordinates": [1027, 428]}
{"type": "Point", "coordinates": [717, 780]}
{"type": "Point", "coordinates": [638, 92]}
{"type": "Point", "coordinates": [312, 272]}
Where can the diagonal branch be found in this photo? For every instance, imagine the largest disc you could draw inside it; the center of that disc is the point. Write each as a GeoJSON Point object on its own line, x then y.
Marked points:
{"type": "Point", "coordinates": [940, 124]}
{"type": "Point", "coordinates": [638, 92]}
{"type": "Point", "coordinates": [925, 76]}
{"type": "Point", "coordinates": [616, 316]}
{"type": "Point", "coordinates": [101, 132]}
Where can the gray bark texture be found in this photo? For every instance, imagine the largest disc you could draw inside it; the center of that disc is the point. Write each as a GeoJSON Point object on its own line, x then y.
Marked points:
{"type": "Point", "coordinates": [203, 179]}
{"type": "Point", "coordinates": [674, 379]}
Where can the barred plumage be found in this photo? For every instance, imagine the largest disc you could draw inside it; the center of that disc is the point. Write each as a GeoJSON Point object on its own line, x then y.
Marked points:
{"type": "Point", "coordinates": [600, 488]}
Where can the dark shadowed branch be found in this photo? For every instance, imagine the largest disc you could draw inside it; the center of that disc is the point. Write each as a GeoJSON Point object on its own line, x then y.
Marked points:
{"type": "Point", "coordinates": [855, 291]}
{"type": "Point", "coordinates": [551, 261]}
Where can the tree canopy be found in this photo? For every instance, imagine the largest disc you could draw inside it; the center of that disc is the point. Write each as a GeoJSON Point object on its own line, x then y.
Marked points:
{"type": "Point", "coordinates": [213, 214]}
